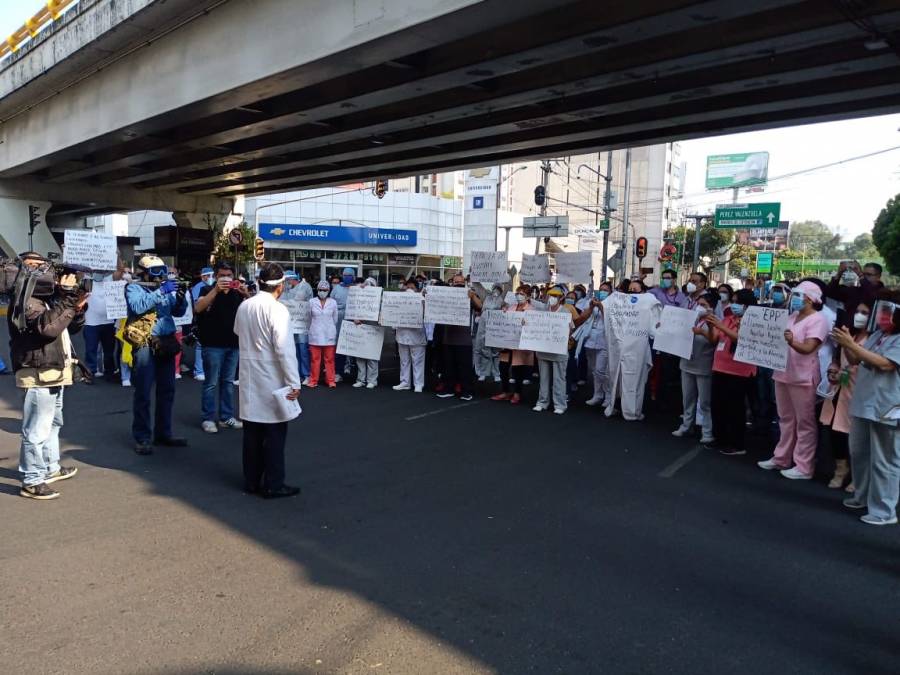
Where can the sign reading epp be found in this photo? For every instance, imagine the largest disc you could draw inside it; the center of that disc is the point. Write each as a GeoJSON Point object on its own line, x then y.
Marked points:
{"type": "Point", "coordinates": [336, 234]}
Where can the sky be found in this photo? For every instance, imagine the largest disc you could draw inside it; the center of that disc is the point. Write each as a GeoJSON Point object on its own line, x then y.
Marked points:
{"type": "Point", "coordinates": [847, 198]}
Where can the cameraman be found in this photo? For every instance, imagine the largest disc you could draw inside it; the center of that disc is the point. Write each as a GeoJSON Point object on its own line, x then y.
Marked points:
{"type": "Point", "coordinates": [152, 302]}
{"type": "Point", "coordinates": [215, 311]}
{"type": "Point", "coordinates": [42, 358]}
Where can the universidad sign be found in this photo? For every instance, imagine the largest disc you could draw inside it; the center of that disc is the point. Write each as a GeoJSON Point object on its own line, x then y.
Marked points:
{"type": "Point", "coordinates": [337, 234]}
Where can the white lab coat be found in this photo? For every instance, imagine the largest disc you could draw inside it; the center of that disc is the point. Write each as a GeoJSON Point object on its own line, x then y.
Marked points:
{"type": "Point", "coordinates": [268, 357]}
{"type": "Point", "coordinates": [323, 322]}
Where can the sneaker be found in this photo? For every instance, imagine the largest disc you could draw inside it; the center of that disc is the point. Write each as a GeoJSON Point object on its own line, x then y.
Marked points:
{"type": "Point", "coordinates": [539, 408]}
{"type": "Point", "coordinates": [851, 503]}
{"type": "Point", "coordinates": [707, 441]}
{"type": "Point", "coordinates": [236, 383]}
{"type": "Point", "coordinates": [39, 491]}
{"type": "Point", "coordinates": [732, 452]}
{"type": "Point", "coordinates": [446, 394]}
{"type": "Point", "coordinates": [177, 376]}
{"type": "Point", "coordinates": [338, 378]}
{"type": "Point", "coordinates": [498, 380]}
{"type": "Point", "coordinates": [869, 519]}
{"type": "Point", "coordinates": [466, 397]}
{"type": "Point", "coordinates": [795, 474]}
{"type": "Point", "coordinates": [231, 423]}
{"type": "Point", "coordinates": [126, 383]}
{"type": "Point", "coordinates": [371, 385]}
{"type": "Point", "coordinates": [143, 448]}
{"type": "Point", "coordinates": [768, 465]}
{"type": "Point", "coordinates": [357, 385]}
{"type": "Point", "coordinates": [594, 400]}
{"type": "Point", "coordinates": [402, 387]}
{"type": "Point", "coordinates": [515, 400]}
{"type": "Point", "coordinates": [64, 473]}
{"type": "Point", "coordinates": [581, 383]}
{"type": "Point", "coordinates": [200, 378]}
{"type": "Point", "coordinates": [500, 397]}
{"type": "Point", "coordinates": [209, 427]}
{"type": "Point", "coordinates": [679, 433]}
{"type": "Point", "coordinates": [559, 411]}
{"type": "Point", "coordinates": [305, 382]}
{"type": "Point", "coordinates": [481, 378]}
{"type": "Point", "coordinates": [99, 373]}
{"type": "Point", "coordinates": [525, 382]}
{"type": "Point", "coordinates": [418, 390]}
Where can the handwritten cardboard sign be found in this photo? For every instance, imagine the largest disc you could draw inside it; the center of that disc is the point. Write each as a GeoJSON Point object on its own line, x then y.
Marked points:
{"type": "Point", "coordinates": [761, 338]}
{"type": "Point", "coordinates": [114, 296]}
{"type": "Point", "coordinates": [546, 332]}
{"type": "Point", "coordinates": [91, 249]}
{"type": "Point", "coordinates": [503, 330]}
{"type": "Point", "coordinates": [675, 334]}
{"type": "Point", "coordinates": [489, 267]}
{"type": "Point", "coordinates": [535, 269]}
{"type": "Point", "coordinates": [402, 310]}
{"type": "Point", "coordinates": [362, 341]}
{"type": "Point", "coordinates": [300, 314]}
{"type": "Point", "coordinates": [447, 305]}
{"type": "Point", "coordinates": [574, 268]}
{"type": "Point", "coordinates": [363, 303]}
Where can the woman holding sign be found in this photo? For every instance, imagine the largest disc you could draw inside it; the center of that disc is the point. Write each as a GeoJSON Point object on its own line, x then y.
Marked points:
{"type": "Point", "coordinates": [795, 386]}
{"type": "Point", "coordinates": [323, 312]}
{"type": "Point", "coordinates": [696, 373]}
{"type": "Point", "coordinates": [411, 345]}
{"type": "Point", "coordinates": [516, 364]}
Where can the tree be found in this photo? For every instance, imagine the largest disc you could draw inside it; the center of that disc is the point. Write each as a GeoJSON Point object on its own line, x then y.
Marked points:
{"type": "Point", "coordinates": [223, 249]}
{"type": "Point", "coordinates": [711, 241]}
{"type": "Point", "coordinates": [815, 238]}
{"type": "Point", "coordinates": [886, 235]}
{"type": "Point", "coordinates": [863, 249]}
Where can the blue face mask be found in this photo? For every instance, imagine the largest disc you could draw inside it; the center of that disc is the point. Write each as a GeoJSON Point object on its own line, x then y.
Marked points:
{"type": "Point", "coordinates": [796, 303]}
{"type": "Point", "coordinates": [737, 310]}
{"type": "Point", "coordinates": [665, 283]}
{"type": "Point", "coordinates": [601, 295]}
{"type": "Point", "coordinates": [570, 301]}
{"type": "Point", "coordinates": [348, 279]}
{"type": "Point", "coordinates": [778, 298]}
{"type": "Point", "coordinates": [210, 281]}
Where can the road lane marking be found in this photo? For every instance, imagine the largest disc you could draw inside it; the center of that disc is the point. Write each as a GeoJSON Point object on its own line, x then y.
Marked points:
{"type": "Point", "coordinates": [442, 410]}
{"type": "Point", "coordinates": [681, 462]}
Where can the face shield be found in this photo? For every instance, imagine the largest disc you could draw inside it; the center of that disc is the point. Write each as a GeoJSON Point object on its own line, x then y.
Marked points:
{"type": "Point", "coordinates": [883, 314]}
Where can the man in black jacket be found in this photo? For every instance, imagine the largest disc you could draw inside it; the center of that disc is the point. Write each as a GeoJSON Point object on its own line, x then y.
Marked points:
{"type": "Point", "coordinates": [42, 358]}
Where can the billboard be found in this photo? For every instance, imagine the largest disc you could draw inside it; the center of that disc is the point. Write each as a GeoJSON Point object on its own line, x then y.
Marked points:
{"type": "Point", "coordinates": [738, 170]}
{"type": "Point", "coordinates": [763, 239]}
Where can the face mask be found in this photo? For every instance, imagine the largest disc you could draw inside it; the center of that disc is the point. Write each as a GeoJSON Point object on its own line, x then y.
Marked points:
{"type": "Point", "coordinates": [579, 294]}
{"type": "Point", "coordinates": [778, 298]}
{"type": "Point", "coordinates": [209, 281]}
{"type": "Point", "coordinates": [323, 294]}
{"type": "Point", "coordinates": [796, 303]}
{"type": "Point", "coordinates": [724, 296]}
{"type": "Point", "coordinates": [756, 293]}
{"type": "Point", "coordinates": [601, 295]}
{"type": "Point", "coordinates": [702, 311]}
{"type": "Point", "coordinates": [495, 293]}
{"type": "Point", "coordinates": [665, 283]}
{"type": "Point", "coordinates": [420, 285]}
{"type": "Point", "coordinates": [860, 320]}
{"type": "Point", "coordinates": [553, 301]}
{"type": "Point", "coordinates": [570, 301]}
{"type": "Point", "coordinates": [335, 284]}
{"type": "Point", "coordinates": [737, 310]}
{"type": "Point", "coordinates": [691, 287]}
{"type": "Point", "coordinates": [348, 279]}
{"type": "Point", "coordinates": [410, 290]}
{"type": "Point", "coordinates": [849, 279]}
{"type": "Point", "coordinates": [521, 298]}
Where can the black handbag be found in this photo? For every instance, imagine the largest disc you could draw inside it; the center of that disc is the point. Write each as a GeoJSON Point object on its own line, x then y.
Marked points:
{"type": "Point", "coordinates": [164, 346]}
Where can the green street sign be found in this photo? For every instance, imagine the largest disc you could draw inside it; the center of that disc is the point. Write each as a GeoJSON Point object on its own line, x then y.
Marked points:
{"type": "Point", "coordinates": [603, 225]}
{"type": "Point", "coordinates": [740, 170]}
{"type": "Point", "coordinates": [742, 216]}
{"type": "Point", "coordinates": [765, 262]}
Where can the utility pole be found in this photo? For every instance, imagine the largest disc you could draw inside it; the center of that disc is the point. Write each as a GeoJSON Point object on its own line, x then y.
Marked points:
{"type": "Point", "coordinates": [607, 211]}
{"type": "Point", "coordinates": [545, 181]}
{"type": "Point", "coordinates": [698, 221]}
{"type": "Point", "coordinates": [625, 213]}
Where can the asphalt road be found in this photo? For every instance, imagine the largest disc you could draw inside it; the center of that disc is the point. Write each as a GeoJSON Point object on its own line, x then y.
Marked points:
{"type": "Point", "coordinates": [433, 537]}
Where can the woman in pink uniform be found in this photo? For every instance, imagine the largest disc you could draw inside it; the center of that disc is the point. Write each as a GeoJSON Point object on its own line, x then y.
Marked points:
{"type": "Point", "coordinates": [795, 386]}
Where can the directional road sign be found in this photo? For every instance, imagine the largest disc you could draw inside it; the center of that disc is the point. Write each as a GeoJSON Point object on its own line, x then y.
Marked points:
{"type": "Point", "coordinates": [545, 226]}
{"type": "Point", "coordinates": [742, 216]}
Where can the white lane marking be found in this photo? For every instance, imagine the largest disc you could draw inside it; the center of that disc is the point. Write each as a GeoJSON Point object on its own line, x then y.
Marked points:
{"type": "Point", "coordinates": [442, 410]}
{"type": "Point", "coordinates": [680, 463]}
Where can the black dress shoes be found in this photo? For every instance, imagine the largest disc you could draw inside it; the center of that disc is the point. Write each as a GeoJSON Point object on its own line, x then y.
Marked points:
{"type": "Point", "coordinates": [283, 491]}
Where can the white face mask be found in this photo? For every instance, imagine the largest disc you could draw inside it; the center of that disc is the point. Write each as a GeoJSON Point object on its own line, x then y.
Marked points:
{"type": "Point", "coordinates": [553, 301]}
{"type": "Point", "coordinates": [691, 287]}
{"type": "Point", "coordinates": [860, 320]}
{"type": "Point", "coordinates": [521, 298]}
{"type": "Point", "coordinates": [323, 294]}
{"type": "Point", "coordinates": [702, 311]}
{"type": "Point", "coordinates": [495, 293]}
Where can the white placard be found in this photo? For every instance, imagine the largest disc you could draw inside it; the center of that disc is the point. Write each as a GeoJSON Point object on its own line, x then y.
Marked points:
{"type": "Point", "coordinates": [489, 267]}
{"type": "Point", "coordinates": [402, 310]}
{"type": "Point", "coordinates": [675, 334]}
{"type": "Point", "coordinates": [447, 305]}
{"type": "Point", "coordinates": [761, 338]}
{"type": "Point", "coordinates": [363, 303]}
{"type": "Point", "coordinates": [188, 317]}
{"type": "Point", "coordinates": [503, 330]}
{"type": "Point", "coordinates": [91, 249]}
{"type": "Point", "coordinates": [574, 268]}
{"type": "Point", "coordinates": [286, 408]}
{"type": "Point", "coordinates": [114, 295]}
{"type": "Point", "coordinates": [535, 269]}
{"type": "Point", "coordinates": [299, 311]}
{"type": "Point", "coordinates": [546, 332]}
{"type": "Point", "coordinates": [362, 341]}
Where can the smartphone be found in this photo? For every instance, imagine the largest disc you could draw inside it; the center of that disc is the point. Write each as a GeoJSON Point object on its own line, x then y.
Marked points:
{"type": "Point", "coordinates": [234, 285]}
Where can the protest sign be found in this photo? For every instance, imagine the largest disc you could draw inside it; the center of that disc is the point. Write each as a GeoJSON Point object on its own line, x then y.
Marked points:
{"type": "Point", "coordinates": [675, 334]}
{"type": "Point", "coordinates": [546, 332]}
{"type": "Point", "coordinates": [91, 249]}
{"type": "Point", "coordinates": [113, 293]}
{"type": "Point", "coordinates": [761, 338]}
{"type": "Point", "coordinates": [188, 317]}
{"type": "Point", "coordinates": [503, 330]}
{"type": "Point", "coordinates": [574, 268]}
{"type": "Point", "coordinates": [489, 267]}
{"type": "Point", "coordinates": [447, 305]}
{"type": "Point", "coordinates": [362, 341]}
{"type": "Point", "coordinates": [535, 269]}
{"type": "Point", "coordinates": [627, 317]}
{"type": "Point", "coordinates": [299, 312]}
{"type": "Point", "coordinates": [401, 310]}
{"type": "Point", "coordinates": [363, 303]}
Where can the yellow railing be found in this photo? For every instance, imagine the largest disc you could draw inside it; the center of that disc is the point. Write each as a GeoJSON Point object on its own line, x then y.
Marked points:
{"type": "Point", "coordinates": [46, 14]}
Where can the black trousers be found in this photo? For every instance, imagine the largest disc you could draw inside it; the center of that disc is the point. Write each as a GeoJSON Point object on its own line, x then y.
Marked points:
{"type": "Point", "coordinates": [518, 373]}
{"type": "Point", "coordinates": [264, 454]}
{"type": "Point", "coordinates": [458, 367]}
{"type": "Point", "coordinates": [729, 409]}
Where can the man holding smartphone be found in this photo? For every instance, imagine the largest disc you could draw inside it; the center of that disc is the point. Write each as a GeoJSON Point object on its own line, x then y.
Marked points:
{"type": "Point", "coordinates": [215, 311]}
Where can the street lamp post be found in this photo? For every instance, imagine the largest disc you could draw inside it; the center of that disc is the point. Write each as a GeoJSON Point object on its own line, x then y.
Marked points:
{"type": "Point", "coordinates": [506, 228]}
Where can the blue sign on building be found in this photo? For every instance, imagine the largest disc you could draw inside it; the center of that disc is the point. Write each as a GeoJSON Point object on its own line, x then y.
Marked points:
{"type": "Point", "coordinates": [478, 202]}
{"type": "Point", "coordinates": [337, 234]}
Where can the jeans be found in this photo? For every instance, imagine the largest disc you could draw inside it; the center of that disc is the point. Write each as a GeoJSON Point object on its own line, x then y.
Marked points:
{"type": "Point", "coordinates": [42, 418]}
{"type": "Point", "coordinates": [104, 336]}
{"type": "Point", "coordinates": [219, 365]}
{"type": "Point", "coordinates": [147, 371]}
{"type": "Point", "coordinates": [302, 344]}
{"type": "Point", "coordinates": [263, 454]}
{"type": "Point", "coordinates": [198, 360]}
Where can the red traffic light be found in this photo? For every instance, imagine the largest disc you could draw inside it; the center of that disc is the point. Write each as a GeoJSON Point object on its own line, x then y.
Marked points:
{"type": "Point", "coordinates": [640, 247]}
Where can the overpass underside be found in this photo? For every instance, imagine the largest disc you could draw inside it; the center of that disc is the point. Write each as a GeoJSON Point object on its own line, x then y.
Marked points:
{"type": "Point", "coordinates": [487, 83]}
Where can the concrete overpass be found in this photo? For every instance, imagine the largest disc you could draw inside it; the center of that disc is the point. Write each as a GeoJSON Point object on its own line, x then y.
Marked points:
{"type": "Point", "coordinates": [185, 104]}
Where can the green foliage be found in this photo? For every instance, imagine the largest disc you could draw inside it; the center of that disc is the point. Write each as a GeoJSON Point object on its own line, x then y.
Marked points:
{"type": "Point", "coordinates": [816, 239]}
{"type": "Point", "coordinates": [863, 249]}
{"type": "Point", "coordinates": [223, 249]}
{"type": "Point", "coordinates": [886, 235]}
{"type": "Point", "coordinates": [742, 256]}
{"type": "Point", "coordinates": [711, 241]}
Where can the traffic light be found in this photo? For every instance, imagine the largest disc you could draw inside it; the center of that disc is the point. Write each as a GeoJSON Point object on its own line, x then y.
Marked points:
{"type": "Point", "coordinates": [540, 195]}
{"type": "Point", "coordinates": [640, 247]}
{"type": "Point", "coordinates": [34, 218]}
{"type": "Point", "coordinates": [381, 187]}
{"type": "Point", "coordinates": [259, 251]}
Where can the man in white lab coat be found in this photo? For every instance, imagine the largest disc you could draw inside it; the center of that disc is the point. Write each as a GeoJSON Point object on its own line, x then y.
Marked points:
{"type": "Point", "coordinates": [268, 363]}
